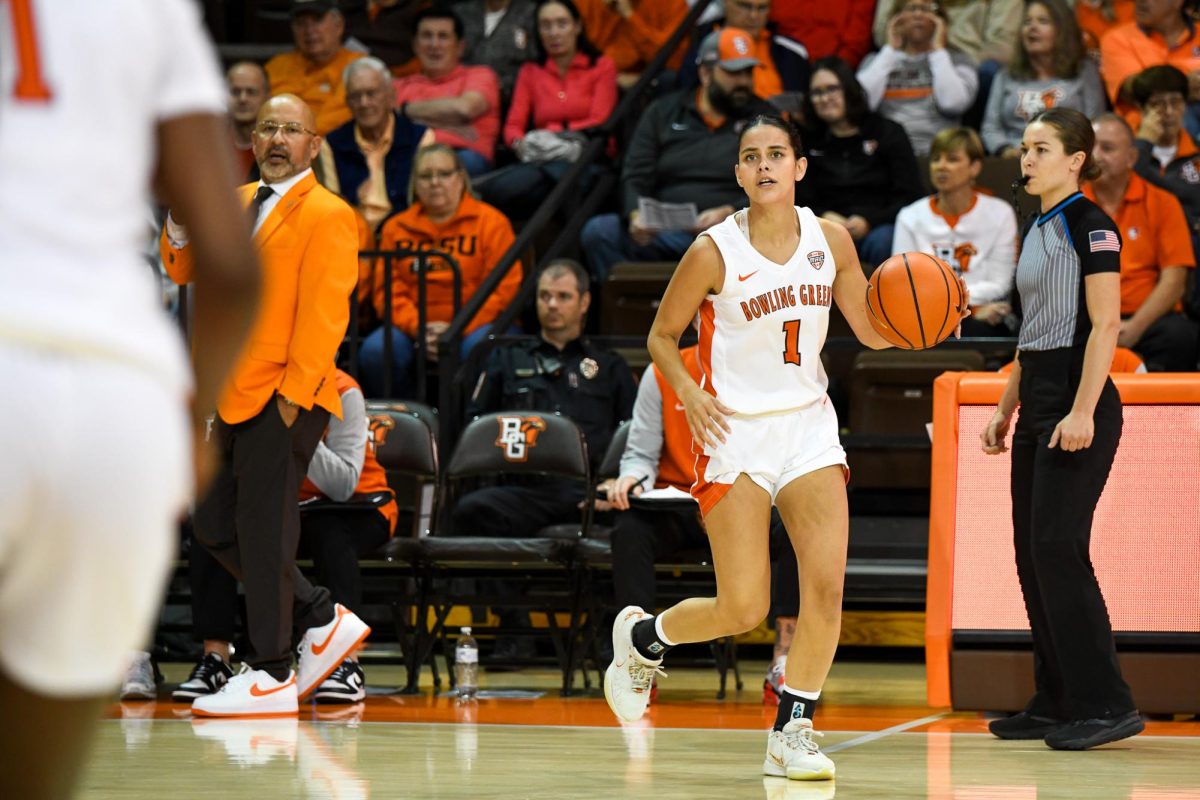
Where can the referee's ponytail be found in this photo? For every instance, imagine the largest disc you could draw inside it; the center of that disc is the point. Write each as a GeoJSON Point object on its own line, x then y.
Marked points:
{"type": "Point", "coordinates": [1075, 132]}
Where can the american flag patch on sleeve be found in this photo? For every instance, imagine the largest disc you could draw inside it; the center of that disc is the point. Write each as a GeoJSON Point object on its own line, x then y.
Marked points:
{"type": "Point", "coordinates": [1099, 241]}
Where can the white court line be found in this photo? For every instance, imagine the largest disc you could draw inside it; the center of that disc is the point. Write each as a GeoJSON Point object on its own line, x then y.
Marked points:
{"type": "Point", "coordinates": [871, 737]}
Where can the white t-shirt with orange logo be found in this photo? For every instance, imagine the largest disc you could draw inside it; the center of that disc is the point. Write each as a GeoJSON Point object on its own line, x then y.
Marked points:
{"type": "Point", "coordinates": [980, 244]}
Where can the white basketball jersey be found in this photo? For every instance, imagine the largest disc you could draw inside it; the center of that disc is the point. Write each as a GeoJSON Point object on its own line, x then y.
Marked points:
{"type": "Point", "coordinates": [761, 337]}
{"type": "Point", "coordinates": [83, 85]}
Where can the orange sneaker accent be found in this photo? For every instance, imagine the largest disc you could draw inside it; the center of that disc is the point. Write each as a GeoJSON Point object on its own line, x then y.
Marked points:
{"type": "Point", "coordinates": [320, 648]}
{"type": "Point", "coordinates": [257, 692]}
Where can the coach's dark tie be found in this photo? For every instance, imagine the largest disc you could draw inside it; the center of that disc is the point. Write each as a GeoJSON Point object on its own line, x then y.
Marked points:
{"type": "Point", "coordinates": [255, 207]}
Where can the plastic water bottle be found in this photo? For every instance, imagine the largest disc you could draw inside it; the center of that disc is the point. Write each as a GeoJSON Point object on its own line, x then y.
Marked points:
{"type": "Point", "coordinates": [466, 665]}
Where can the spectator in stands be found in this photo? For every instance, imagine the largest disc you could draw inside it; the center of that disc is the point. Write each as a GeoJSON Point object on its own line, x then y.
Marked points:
{"type": "Point", "coordinates": [1050, 69]}
{"type": "Point", "coordinates": [1167, 154]}
{"type": "Point", "coordinates": [558, 372]}
{"type": "Point", "coordinates": [974, 233]}
{"type": "Point", "coordinates": [313, 71]}
{"type": "Point", "coordinates": [826, 29]}
{"type": "Point", "coordinates": [368, 160]}
{"type": "Point", "coordinates": [783, 61]}
{"type": "Point", "coordinates": [461, 103]}
{"type": "Point", "coordinates": [1156, 253]}
{"type": "Point", "coordinates": [344, 470]}
{"type": "Point", "coordinates": [500, 34]}
{"type": "Point", "coordinates": [915, 79]}
{"type": "Point", "coordinates": [248, 90]}
{"type": "Point", "coordinates": [1098, 17]}
{"type": "Point", "coordinates": [985, 31]}
{"type": "Point", "coordinates": [631, 32]}
{"type": "Point", "coordinates": [443, 215]}
{"type": "Point", "coordinates": [658, 454]}
{"type": "Point", "coordinates": [1161, 33]}
{"type": "Point", "coordinates": [681, 152]}
{"type": "Point", "coordinates": [569, 87]}
{"type": "Point", "coordinates": [861, 167]}
{"type": "Point", "coordinates": [385, 29]}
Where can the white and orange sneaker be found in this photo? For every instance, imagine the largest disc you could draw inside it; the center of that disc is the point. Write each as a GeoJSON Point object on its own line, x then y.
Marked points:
{"type": "Point", "coordinates": [324, 648]}
{"type": "Point", "coordinates": [793, 753]}
{"type": "Point", "coordinates": [251, 693]}
{"type": "Point", "coordinates": [629, 678]}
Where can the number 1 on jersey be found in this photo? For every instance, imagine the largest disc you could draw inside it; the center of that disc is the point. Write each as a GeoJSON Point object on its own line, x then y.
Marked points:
{"type": "Point", "coordinates": [30, 84]}
{"type": "Point", "coordinates": [791, 342]}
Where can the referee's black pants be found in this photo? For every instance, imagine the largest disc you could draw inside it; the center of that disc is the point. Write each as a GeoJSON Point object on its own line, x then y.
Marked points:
{"type": "Point", "coordinates": [1054, 496]}
{"type": "Point", "coordinates": [250, 522]}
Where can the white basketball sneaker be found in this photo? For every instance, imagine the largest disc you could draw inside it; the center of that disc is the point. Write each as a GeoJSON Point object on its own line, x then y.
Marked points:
{"type": "Point", "coordinates": [792, 753]}
{"type": "Point", "coordinates": [628, 679]}
{"type": "Point", "coordinates": [324, 648]}
{"type": "Point", "coordinates": [250, 693]}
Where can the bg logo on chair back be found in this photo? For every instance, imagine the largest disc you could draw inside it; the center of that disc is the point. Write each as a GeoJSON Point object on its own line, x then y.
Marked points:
{"type": "Point", "coordinates": [517, 435]}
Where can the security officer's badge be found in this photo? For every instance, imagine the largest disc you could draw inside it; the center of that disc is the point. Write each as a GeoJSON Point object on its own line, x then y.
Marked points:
{"type": "Point", "coordinates": [588, 368]}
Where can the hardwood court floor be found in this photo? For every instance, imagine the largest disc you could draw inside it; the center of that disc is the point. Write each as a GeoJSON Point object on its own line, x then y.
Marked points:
{"type": "Point", "coordinates": [885, 742]}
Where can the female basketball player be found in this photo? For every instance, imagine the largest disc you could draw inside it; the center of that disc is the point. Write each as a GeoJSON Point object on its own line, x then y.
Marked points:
{"type": "Point", "coordinates": [762, 282]}
{"type": "Point", "coordinates": [1068, 277]}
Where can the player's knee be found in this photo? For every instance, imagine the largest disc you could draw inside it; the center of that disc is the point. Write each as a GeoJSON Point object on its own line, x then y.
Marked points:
{"type": "Point", "coordinates": [741, 614]}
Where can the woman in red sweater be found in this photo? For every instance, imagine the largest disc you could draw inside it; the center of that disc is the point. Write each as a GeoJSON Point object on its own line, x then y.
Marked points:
{"type": "Point", "coordinates": [443, 215]}
{"type": "Point", "coordinates": [568, 88]}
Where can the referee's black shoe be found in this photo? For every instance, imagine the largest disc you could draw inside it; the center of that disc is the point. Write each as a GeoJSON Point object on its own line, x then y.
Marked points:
{"type": "Point", "coordinates": [1024, 726]}
{"type": "Point", "coordinates": [1088, 733]}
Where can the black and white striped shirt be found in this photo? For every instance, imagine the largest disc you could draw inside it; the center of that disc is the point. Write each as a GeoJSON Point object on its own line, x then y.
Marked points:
{"type": "Point", "coordinates": [1059, 249]}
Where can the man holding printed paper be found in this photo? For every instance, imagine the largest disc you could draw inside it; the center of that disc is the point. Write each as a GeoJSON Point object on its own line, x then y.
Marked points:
{"type": "Point", "coordinates": [681, 154]}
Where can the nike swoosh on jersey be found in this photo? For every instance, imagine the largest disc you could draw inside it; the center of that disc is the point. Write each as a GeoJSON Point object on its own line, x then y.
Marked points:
{"type": "Point", "coordinates": [747, 277]}
{"type": "Point", "coordinates": [257, 692]}
{"type": "Point", "coordinates": [320, 648]}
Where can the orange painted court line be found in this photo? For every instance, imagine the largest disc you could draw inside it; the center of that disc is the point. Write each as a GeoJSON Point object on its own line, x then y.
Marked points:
{"type": "Point", "coordinates": [589, 712]}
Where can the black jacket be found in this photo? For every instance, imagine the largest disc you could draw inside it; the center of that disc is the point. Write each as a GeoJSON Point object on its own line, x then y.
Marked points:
{"type": "Point", "coordinates": [675, 157]}
{"type": "Point", "coordinates": [873, 174]}
{"type": "Point", "coordinates": [592, 387]}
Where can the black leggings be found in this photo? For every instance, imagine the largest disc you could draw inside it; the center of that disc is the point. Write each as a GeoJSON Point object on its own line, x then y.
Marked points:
{"type": "Point", "coordinates": [1054, 496]}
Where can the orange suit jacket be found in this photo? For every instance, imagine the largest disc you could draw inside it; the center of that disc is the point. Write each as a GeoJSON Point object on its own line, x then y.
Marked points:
{"type": "Point", "coordinates": [308, 249]}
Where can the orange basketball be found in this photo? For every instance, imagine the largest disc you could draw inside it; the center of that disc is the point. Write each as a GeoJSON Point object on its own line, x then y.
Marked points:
{"type": "Point", "coordinates": [915, 300]}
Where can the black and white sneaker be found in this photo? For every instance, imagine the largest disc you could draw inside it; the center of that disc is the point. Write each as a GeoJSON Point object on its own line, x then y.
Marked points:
{"type": "Point", "coordinates": [207, 678]}
{"type": "Point", "coordinates": [346, 684]}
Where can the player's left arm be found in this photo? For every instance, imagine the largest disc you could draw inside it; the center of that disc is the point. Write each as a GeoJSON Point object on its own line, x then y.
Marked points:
{"type": "Point", "coordinates": [327, 275]}
{"type": "Point", "coordinates": [850, 285]}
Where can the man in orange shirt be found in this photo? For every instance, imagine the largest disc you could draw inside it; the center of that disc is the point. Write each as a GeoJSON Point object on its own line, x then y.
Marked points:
{"type": "Point", "coordinates": [313, 71]}
{"type": "Point", "coordinates": [631, 32]}
{"type": "Point", "coordinates": [1161, 33]}
{"type": "Point", "coordinates": [272, 413]}
{"type": "Point", "coordinates": [783, 62]}
{"type": "Point", "coordinates": [1156, 253]}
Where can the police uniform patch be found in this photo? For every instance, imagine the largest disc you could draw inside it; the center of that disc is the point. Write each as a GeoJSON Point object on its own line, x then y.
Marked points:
{"type": "Point", "coordinates": [588, 368]}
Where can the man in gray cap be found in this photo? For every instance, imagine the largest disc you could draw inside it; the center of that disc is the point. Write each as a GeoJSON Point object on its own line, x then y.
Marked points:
{"type": "Point", "coordinates": [683, 151]}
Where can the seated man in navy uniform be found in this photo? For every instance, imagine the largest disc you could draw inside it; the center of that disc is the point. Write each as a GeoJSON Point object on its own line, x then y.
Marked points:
{"type": "Point", "coordinates": [557, 372]}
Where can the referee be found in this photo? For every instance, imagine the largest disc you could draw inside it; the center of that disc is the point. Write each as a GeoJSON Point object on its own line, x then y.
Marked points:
{"type": "Point", "coordinates": [1068, 278]}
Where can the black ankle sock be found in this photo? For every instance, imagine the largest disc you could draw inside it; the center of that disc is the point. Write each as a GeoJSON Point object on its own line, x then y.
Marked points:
{"type": "Point", "coordinates": [791, 706]}
{"type": "Point", "coordinates": [646, 641]}
{"type": "Point", "coordinates": [280, 675]}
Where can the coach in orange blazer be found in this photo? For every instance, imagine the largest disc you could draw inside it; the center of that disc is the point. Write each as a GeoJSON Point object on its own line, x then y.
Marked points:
{"type": "Point", "coordinates": [273, 411]}
{"type": "Point", "coordinates": [308, 246]}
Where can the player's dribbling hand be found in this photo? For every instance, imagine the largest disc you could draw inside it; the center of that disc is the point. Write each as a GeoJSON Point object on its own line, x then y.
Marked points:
{"type": "Point", "coordinates": [706, 417]}
{"type": "Point", "coordinates": [994, 434]}
{"type": "Point", "coordinates": [1073, 432]}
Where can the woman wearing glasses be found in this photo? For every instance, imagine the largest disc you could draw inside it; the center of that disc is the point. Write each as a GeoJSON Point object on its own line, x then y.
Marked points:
{"type": "Point", "coordinates": [915, 79]}
{"type": "Point", "coordinates": [861, 168]}
{"type": "Point", "coordinates": [443, 215]}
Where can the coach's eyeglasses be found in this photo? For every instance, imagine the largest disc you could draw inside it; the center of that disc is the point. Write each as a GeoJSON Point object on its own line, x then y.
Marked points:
{"type": "Point", "coordinates": [824, 91]}
{"type": "Point", "coordinates": [290, 130]}
{"type": "Point", "coordinates": [436, 174]}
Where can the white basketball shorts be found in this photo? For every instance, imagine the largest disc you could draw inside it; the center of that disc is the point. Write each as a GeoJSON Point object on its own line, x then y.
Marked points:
{"type": "Point", "coordinates": [772, 449]}
{"type": "Point", "coordinates": [95, 473]}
